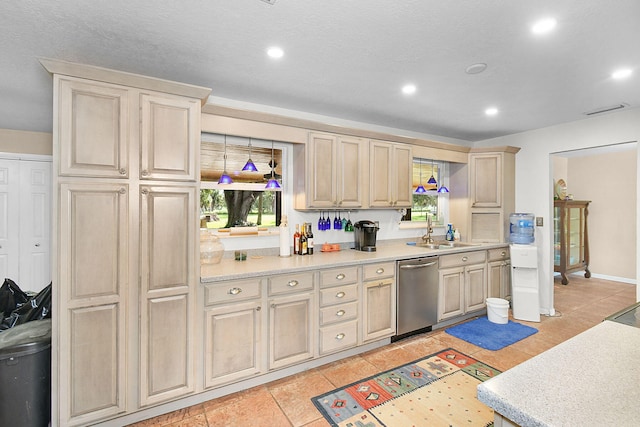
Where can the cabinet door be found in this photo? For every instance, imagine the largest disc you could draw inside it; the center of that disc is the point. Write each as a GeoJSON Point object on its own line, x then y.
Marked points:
{"type": "Point", "coordinates": [486, 180]}
{"type": "Point", "coordinates": [232, 343]}
{"type": "Point", "coordinates": [379, 309]}
{"type": "Point", "coordinates": [167, 295]}
{"type": "Point", "coordinates": [291, 330]}
{"type": "Point", "coordinates": [93, 129]}
{"type": "Point", "coordinates": [380, 174]}
{"type": "Point", "coordinates": [350, 165]}
{"type": "Point", "coordinates": [170, 138]}
{"type": "Point", "coordinates": [495, 278]}
{"type": "Point", "coordinates": [475, 287]}
{"type": "Point", "coordinates": [93, 258]}
{"type": "Point", "coordinates": [321, 175]}
{"type": "Point", "coordinates": [451, 298]}
{"type": "Point", "coordinates": [403, 165]}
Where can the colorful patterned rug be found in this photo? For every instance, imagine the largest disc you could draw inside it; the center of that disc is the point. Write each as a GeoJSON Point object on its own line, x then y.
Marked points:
{"type": "Point", "coordinates": [437, 390]}
{"type": "Point", "coordinates": [489, 335]}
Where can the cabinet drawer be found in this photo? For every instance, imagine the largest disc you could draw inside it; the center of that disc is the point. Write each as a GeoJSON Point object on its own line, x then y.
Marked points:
{"type": "Point", "coordinates": [339, 294]}
{"type": "Point", "coordinates": [378, 271]}
{"type": "Point", "coordinates": [338, 337]}
{"type": "Point", "coordinates": [499, 254]}
{"type": "Point", "coordinates": [463, 258]}
{"type": "Point", "coordinates": [290, 283]}
{"type": "Point", "coordinates": [338, 313]}
{"type": "Point", "coordinates": [236, 290]}
{"type": "Point", "coordinates": [338, 276]}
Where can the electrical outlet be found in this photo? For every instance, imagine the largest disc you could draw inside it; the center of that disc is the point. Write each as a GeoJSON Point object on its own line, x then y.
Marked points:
{"type": "Point", "coordinates": [539, 221]}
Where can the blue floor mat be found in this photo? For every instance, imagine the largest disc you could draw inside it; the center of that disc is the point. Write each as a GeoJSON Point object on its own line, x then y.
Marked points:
{"type": "Point", "coordinates": [489, 335]}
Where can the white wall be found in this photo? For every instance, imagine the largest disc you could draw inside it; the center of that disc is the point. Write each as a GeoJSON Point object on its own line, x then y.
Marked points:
{"type": "Point", "coordinates": [534, 180]}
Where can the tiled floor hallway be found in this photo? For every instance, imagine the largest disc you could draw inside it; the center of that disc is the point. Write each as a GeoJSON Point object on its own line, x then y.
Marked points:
{"type": "Point", "coordinates": [580, 305]}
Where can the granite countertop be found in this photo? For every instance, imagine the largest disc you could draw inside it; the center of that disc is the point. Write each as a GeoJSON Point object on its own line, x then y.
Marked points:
{"type": "Point", "coordinates": [256, 266]}
{"type": "Point", "coordinates": [591, 379]}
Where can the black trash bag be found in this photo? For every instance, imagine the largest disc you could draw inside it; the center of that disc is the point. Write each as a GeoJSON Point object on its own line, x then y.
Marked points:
{"type": "Point", "coordinates": [37, 307]}
{"type": "Point", "coordinates": [11, 297]}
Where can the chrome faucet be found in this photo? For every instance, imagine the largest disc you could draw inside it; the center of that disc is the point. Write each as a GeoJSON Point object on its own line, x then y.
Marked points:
{"type": "Point", "coordinates": [427, 237]}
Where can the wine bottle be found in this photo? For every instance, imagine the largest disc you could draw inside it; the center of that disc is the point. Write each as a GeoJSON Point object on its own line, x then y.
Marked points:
{"type": "Point", "coordinates": [309, 239]}
{"type": "Point", "coordinates": [296, 240]}
{"type": "Point", "coordinates": [303, 240]}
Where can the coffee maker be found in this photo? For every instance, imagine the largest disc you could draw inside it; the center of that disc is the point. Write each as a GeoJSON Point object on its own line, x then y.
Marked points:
{"type": "Point", "coordinates": [365, 235]}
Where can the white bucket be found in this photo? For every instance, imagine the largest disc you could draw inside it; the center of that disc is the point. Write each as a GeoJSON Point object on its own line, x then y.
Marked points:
{"type": "Point", "coordinates": [498, 310]}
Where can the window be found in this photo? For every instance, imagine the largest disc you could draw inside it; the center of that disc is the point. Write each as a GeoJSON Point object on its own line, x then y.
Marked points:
{"type": "Point", "coordinates": [245, 202]}
{"type": "Point", "coordinates": [429, 203]}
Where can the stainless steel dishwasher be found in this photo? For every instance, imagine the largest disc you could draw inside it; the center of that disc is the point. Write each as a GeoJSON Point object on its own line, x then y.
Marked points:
{"type": "Point", "coordinates": [417, 298]}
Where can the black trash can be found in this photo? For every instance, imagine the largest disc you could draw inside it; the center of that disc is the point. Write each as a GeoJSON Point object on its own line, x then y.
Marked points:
{"type": "Point", "coordinates": [25, 374]}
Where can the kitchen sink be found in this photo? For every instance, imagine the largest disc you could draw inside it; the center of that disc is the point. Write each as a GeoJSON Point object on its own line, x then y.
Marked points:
{"type": "Point", "coordinates": [444, 244]}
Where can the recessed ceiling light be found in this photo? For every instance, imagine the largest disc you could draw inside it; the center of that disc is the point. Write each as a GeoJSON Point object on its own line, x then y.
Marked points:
{"type": "Point", "coordinates": [275, 52]}
{"type": "Point", "coordinates": [544, 26]}
{"type": "Point", "coordinates": [491, 111]}
{"type": "Point", "coordinates": [409, 89]}
{"type": "Point", "coordinates": [476, 68]}
{"type": "Point", "coordinates": [622, 73]}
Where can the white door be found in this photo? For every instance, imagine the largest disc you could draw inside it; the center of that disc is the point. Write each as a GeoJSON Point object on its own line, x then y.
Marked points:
{"type": "Point", "coordinates": [9, 220]}
{"type": "Point", "coordinates": [35, 225]}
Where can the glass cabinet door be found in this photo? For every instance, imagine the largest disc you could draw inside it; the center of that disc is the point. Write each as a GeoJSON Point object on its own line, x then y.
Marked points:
{"type": "Point", "coordinates": [556, 235]}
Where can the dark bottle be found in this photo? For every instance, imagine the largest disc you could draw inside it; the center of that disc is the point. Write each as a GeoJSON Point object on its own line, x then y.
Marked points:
{"type": "Point", "coordinates": [309, 239]}
{"type": "Point", "coordinates": [303, 240]}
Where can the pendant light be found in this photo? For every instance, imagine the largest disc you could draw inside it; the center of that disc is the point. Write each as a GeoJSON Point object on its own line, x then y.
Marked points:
{"type": "Point", "coordinates": [273, 182]}
{"type": "Point", "coordinates": [420, 188]}
{"type": "Point", "coordinates": [225, 178]}
{"type": "Point", "coordinates": [249, 166]}
{"type": "Point", "coordinates": [443, 189]}
{"type": "Point", "coordinates": [432, 180]}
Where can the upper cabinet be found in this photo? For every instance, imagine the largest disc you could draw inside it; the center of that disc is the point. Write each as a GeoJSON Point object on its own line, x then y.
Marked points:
{"type": "Point", "coordinates": [333, 170]}
{"type": "Point", "coordinates": [491, 194]}
{"type": "Point", "coordinates": [99, 120]}
{"type": "Point", "coordinates": [390, 168]}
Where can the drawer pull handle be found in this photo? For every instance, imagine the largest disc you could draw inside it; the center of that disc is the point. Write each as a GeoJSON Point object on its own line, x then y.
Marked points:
{"type": "Point", "coordinates": [340, 336]}
{"type": "Point", "coordinates": [340, 295]}
{"type": "Point", "coordinates": [341, 313]}
{"type": "Point", "coordinates": [340, 276]}
{"type": "Point", "coordinates": [503, 253]}
{"type": "Point", "coordinates": [465, 259]}
{"type": "Point", "coordinates": [380, 270]}
{"type": "Point", "coordinates": [235, 291]}
{"type": "Point", "coordinates": [293, 283]}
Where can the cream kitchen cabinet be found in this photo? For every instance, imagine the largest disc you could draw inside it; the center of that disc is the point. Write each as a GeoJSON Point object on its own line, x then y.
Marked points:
{"type": "Point", "coordinates": [463, 283]}
{"type": "Point", "coordinates": [492, 194]}
{"type": "Point", "coordinates": [390, 169]}
{"type": "Point", "coordinates": [499, 273]}
{"type": "Point", "coordinates": [167, 291]}
{"type": "Point", "coordinates": [234, 345]}
{"type": "Point", "coordinates": [292, 324]}
{"type": "Point", "coordinates": [101, 121]}
{"type": "Point", "coordinates": [125, 212]}
{"type": "Point", "coordinates": [378, 301]}
{"type": "Point", "coordinates": [331, 172]}
{"type": "Point", "coordinates": [338, 309]}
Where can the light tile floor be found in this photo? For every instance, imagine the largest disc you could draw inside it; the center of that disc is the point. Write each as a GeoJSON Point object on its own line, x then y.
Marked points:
{"type": "Point", "coordinates": [580, 305]}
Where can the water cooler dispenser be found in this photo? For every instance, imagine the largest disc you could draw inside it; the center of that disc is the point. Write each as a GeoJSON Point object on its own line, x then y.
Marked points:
{"type": "Point", "coordinates": [525, 286]}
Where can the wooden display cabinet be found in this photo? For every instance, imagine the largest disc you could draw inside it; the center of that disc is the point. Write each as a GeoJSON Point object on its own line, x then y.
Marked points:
{"type": "Point", "coordinates": [570, 237]}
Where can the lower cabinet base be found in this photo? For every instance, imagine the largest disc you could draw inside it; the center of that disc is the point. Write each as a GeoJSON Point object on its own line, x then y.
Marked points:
{"type": "Point", "coordinates": [239, 386]}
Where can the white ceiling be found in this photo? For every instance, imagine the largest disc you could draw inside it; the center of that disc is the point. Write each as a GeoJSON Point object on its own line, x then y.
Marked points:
{"type": "Point", "coordinates": [343, 58]}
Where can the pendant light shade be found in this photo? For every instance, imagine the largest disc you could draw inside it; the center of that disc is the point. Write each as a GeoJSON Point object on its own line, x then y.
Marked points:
{"type": "Point", "coordinates": [443, 189]}
{"type": "Point", "coordinates": [250, 166]}
{"type": "Point", "coordinates": [420, 188]}
{"type": "Point", "coordinates": [273, 182]}
{"type": "Point", "coordinates": [432, 180]}
{"type": "Point", "coordinates": [225, 178]}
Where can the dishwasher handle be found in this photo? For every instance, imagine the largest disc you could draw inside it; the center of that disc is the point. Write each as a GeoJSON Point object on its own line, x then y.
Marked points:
{"type": "Point", "coordinates": [412, 266]}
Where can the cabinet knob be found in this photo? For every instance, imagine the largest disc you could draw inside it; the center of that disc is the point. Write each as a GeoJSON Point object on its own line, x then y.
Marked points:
{"type": "Point", "coordinates": [235, 291]}
{"type": "Point", "coordinates": [293, 283]}
{"type": "Point", "coordinates": [122, 190]}
{"type": "Point", "coordinates": [258, 308]}
{"type": "Point", "coordinates": [340, 313]}
{"type": "Point", "coordinates": [145, 191]}
{"type": "Point", "coordinates": [122, 171]}
{"type": "Point", "coordinates": [145, 172]}
{"type": "Point", "coordinates": [503, 253]}
{"type": "Point", "coordinates": [380, 270]}
{"type": "Point", "coordinates": [340, 276]}
{"type": "Point", "coordinates": [37, 245]}
{"type": "Point", "coordinates": [340, 294]}
{"type": "Point", "coordinates": [340, 336]}
{"type": "Point", "coordinates": [465, 259]}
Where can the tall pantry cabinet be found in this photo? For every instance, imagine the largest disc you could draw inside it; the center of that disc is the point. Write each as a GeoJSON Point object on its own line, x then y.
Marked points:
{"type": "Point", "coordinates": [125, 206]}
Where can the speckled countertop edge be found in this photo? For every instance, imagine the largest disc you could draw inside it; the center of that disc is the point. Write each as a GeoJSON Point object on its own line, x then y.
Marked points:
{"type": "Point", "coordinates": [590, 379]}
